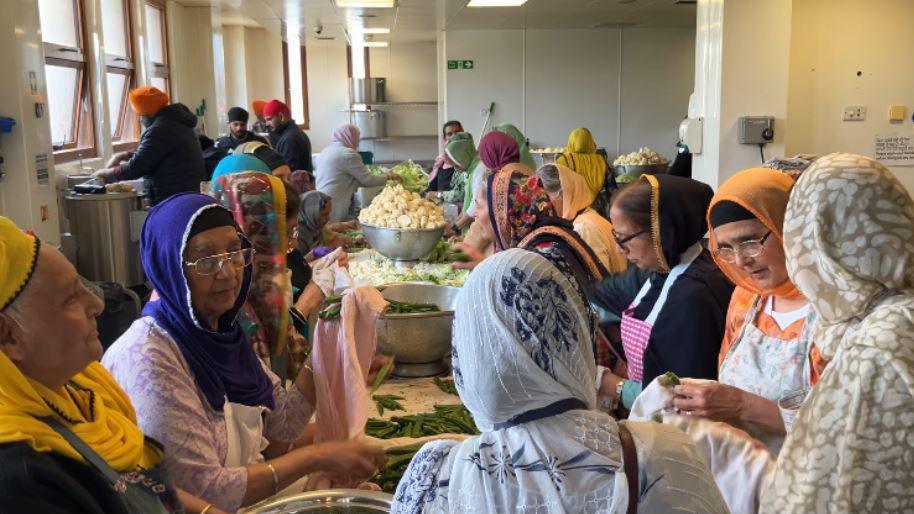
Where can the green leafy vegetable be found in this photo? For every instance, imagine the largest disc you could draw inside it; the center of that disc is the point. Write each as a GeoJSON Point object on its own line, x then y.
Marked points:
{"type": "Point", "coordinates": [446, 385]}
{"type": "Point", "coordinates": [671, 379]}
{"type": "Point", "coordinates": [387, 401]}
{"type": "Point", "coordinates": [447, 419]}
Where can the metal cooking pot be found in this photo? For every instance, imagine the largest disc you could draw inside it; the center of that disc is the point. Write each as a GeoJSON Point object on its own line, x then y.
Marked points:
{"type": "Point", "coordinates": [400, 244]}
{"type": "Point", "coordinates": [343, 501]}
{"type": "Point", "coordinates": [371, 124]}
{"type": "Point", "coordinates": [636, 170]}
{"type": "Point", "coordinates": [369, 91]}
{"type": "Point", "coordinates": [418, 341]}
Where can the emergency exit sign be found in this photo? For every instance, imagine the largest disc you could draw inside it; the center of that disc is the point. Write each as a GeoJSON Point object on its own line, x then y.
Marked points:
{"type": "Point", "coordinates": [460, 65]}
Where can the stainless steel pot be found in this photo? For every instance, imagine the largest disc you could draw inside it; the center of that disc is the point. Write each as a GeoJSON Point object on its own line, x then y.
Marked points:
{"type": "Point", "coordinates": [369, 91]}
{"type": "Point", "coordinates": [343, 501]}
{"type": "Point", "coordinates": [107, 231]}
{"type": "Point", "coordinates": [400, 244]}
{"type": "Point", "coordinates": [372, 124]}
{"type": "Point", "coordinates": [636, 170]}
{"type": "Point", "coordinates": [418, 341]}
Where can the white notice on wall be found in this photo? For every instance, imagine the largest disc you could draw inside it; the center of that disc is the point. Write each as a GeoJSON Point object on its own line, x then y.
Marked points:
{"type": "Point", "coordinates": [895, 149]}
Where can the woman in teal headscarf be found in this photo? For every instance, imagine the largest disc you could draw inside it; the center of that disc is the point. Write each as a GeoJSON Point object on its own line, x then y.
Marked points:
{"type": "Point", "coordinates": [526, 157]}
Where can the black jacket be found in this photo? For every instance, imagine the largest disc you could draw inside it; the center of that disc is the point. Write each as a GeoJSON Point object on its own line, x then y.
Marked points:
{"type": "Point", "coordinates": [50, 483]}
{"type": "Point", "coordinates": [169, 156]}
{"type": "Point", "coordinates": [294, 146]}
{"type": "Point", "coordinates": [230, 142]}
{"type": "Point", "coordinates": [687, 334]}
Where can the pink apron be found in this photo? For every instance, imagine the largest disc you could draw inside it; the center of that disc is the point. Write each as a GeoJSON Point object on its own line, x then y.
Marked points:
{"type": "Point", "coordinates": [636, 334]}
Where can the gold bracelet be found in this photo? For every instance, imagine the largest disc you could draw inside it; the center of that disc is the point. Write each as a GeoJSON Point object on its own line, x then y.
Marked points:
{"type": "Point", "coordinates": [275, 478]}
{"type": "Point", "coordinates": [206, 509]}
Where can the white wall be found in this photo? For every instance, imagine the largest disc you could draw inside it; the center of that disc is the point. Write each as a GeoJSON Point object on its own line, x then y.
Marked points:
{"type": "Point", "coordinates": [832, 41]}
{"type": "Point", "coordinates": [192, 60]}
{"type": "Point", "coordinates": [629, 86]}
{"type": "Point", "coordinates": [236, 76]}
{"type": "Point", "coordinates": [263, 64]}
{"type": "Point", "coordinates": [328, 91]}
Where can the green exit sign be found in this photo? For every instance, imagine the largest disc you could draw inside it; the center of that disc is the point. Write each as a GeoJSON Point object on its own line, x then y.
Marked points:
{"type": "Point", "coordinates": [459, 65]}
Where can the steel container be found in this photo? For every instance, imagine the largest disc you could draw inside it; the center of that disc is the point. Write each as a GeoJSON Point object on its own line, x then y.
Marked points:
{"type": "Point", "coordinates": [401, 244]}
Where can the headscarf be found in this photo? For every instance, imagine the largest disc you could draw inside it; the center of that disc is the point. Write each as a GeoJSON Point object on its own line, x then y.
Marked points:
{"type": "Point", "coordinates": [496, 150]}
{"type": "Point", "coordinates": [848, 238]}
{"type": "Point", "coordinates": [258, 203]}
{"type": "Point", "coordinates": [236, 163]}
{"type": "Point", "coordinates": [347, 135]}
{"type": "Point", "coordinates": [764, 193]}
{"type": "Point", "coordinates": [220, 358]}
{"type": "Point", "coordinates": [97, 410]}
{"type": "Point", "coordinates": [310, 235]}
{"type": "Point", "coordinates": [850, 249]}
{"type": "Point", "coordinates": [678, 209]}
{"type": "Point", "coordinates": [147, 101]}
{"type": "Point", "coordinates": [524, 367]}
{"type": "Point", "coordinates": [525, 156]}
{"type": "Point", "coordinates": [517, 204]}
{"type": "Point", "coordinates": [581, 156]}
{"type": "Point", "coordinates": [249, 147]}
{"type": "Point", "coordinates": [462, 152]}
{"type": "Point", "coordinates": [576, 196]}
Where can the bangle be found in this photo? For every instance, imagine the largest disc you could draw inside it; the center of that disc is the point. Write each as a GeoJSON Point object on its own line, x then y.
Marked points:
{"type": "Point", "coordinates": [206, 509]}
{"type": "Point", "coordinates": [275, 478]}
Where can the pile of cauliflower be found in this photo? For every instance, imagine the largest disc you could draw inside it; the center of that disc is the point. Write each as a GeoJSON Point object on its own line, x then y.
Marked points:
{"type": "Point", "coordinates": [396, 207]}
{"type": "Point", "coordinates": [643, 156]}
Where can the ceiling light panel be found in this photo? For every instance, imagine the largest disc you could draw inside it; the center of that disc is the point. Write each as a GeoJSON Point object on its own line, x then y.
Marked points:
{"type": "Point", "coordinates": [366, 4]}
{"type": "Point", "coordinates": [496, 3]}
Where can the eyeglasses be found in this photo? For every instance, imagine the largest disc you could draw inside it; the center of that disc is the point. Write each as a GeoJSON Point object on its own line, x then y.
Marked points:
{"type": "Point", "coordinates": [214, 263]}
{"type": "Point", "coordinates": [747, 250]}
{"type": "Point", "coordinates": [623, 240]}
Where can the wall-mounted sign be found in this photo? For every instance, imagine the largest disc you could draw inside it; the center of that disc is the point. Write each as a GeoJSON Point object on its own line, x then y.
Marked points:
{"type": "Point", "coordinates": [895, 149]}
{"type": "Point", "coordinates": [459, 65]}
{"type": "Point", "coordinates": [41, 169]}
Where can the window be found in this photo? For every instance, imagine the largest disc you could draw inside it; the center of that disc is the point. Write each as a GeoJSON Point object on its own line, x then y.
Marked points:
{"type": "Point", "coordinates": [119, 72]}
{"type": "Point", "coordinates": [157, 45]}
{"type": "Point", "coordinates": [69, 99]}
{"type": "Point", "coordinates": [298, 66]}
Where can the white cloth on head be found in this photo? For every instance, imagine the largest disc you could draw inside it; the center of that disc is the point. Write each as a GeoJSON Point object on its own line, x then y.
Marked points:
{"type": "Point", "coordinates": [522, 343]}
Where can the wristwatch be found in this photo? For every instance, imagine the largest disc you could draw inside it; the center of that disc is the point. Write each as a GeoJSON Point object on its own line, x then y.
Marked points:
{"type": "Point", "coordinates": [619, 387]}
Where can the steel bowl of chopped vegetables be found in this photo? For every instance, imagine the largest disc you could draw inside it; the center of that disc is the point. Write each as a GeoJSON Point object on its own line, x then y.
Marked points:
{"type": "Point", "coordinates": [416, 329]}
{"type": "Point", "coordinates": [402, 244]}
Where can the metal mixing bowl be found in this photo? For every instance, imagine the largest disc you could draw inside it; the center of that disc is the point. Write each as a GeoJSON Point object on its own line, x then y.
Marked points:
{"type": "Point", "coordinates": [636, 170]}
{"type": "Point", "coordinates": [418, 341]}
{"type": "Point", "coordinates": [401, 244]}
{"type": "Point", "coordinates": [342, 501]}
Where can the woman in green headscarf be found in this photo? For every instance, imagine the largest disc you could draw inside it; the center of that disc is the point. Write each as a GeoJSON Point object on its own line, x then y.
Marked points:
{"type": "Point", "coordinates": [582, 157]}
{"type": "Point", "coordinates": [526, 157]}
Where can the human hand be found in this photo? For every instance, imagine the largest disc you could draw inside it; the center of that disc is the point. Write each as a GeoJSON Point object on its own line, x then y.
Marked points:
{"type": "Point", "coordinates": [394, 177]}
{"type": "Point", "coordinates": [715, 401]}
{"type": "Point", "coordinates": [343, 261]}
{"type": "Point", "coordinates": [356, 460]}
{"type": "Point", "coordinates": [104, 173]}
{"type": "Point", "coordinates": [474, 256]}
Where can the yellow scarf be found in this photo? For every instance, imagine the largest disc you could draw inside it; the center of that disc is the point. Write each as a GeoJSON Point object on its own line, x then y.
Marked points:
{"type": "Point", "coordinates": [581, 156]}
{"type": "Point", "coordinates": [98, 411]}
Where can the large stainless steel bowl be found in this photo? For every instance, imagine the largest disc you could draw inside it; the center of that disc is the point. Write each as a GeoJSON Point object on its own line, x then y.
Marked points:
{"type": "Point", "coordinates": [401, 244]}
{"type": "Point", "coordinates": [418, 341]}
{"type": "Point", "coordinates": [343, 501]}
{"type": "Point", "coordinates": [636, 170]}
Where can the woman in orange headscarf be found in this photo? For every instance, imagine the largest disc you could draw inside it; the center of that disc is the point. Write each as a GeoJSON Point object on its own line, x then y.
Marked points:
{"type": "Point", "coordinates": [765, 352]}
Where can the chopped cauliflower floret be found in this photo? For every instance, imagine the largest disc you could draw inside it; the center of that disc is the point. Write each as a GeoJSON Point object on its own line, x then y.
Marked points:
{"type": "Point", "coordinates": [395, 207]}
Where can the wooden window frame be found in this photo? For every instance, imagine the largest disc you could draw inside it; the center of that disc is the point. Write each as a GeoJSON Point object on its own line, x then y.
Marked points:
{"type": "Point", "coordinates": [304, 124]}
{"type": "Point", "coordinates": [124, 65]}
{"type": "Point", "coordinates": [83, 127]}
{"type": "Point", "coordinates": [161, 70]}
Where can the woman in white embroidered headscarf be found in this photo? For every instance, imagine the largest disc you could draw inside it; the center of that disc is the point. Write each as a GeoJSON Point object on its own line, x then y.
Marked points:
{"type": "Point", "coordinates": [524, 367]}
{"type": "Point", "coordinates": [849, 240]}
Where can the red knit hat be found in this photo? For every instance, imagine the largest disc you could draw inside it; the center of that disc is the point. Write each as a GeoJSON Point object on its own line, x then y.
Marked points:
{"type": "Point", "coordinates": [274, 107]}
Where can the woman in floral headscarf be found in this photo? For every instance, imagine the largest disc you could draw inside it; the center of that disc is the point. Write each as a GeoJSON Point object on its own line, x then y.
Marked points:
{"type": "Point", "coordinates": [850, 251]}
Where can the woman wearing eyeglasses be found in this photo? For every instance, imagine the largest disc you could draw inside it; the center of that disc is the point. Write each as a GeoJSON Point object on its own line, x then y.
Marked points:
{"type": "Point", "coordinates": [765, 352]}
{"type": "Point", "coordinates": [676, 321]}
{"type": "Point", "coordinates": [194, 378]}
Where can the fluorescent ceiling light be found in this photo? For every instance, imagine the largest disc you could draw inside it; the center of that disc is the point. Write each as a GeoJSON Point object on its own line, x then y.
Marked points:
{"type": "Point", "coordinates": [367, 30]}
{"type": "Point", "coordinates": [366, 4]}
{"type": "Point", "coordinates": [375, 44]}
{"type": "Point", "coordinates": [496, 3]}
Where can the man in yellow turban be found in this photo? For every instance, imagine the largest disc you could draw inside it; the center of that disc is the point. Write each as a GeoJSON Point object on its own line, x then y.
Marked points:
{"type": "Point", "coordinates": [69, 441]}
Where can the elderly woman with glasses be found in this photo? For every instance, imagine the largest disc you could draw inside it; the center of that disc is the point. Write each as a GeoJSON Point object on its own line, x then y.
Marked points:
{"type": "Point", "coordinates": [195, 379]}
{"type": "Point", "coordinates": [766, 352]}
{"type": "Point", "coordinates": [676, 321]}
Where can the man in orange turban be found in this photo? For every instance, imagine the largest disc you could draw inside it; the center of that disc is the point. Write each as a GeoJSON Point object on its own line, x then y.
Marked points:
{"type": "Point", "coordinates": [260, 126]}
{"type": "Point", "coordinates": [169, 157]}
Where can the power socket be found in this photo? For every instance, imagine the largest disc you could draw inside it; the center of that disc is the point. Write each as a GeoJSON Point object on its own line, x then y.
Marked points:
{"type": "Point", "coordinates": [855, 113]}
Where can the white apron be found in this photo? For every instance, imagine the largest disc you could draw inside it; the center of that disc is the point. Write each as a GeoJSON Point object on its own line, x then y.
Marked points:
{"type": "Point", "coordinates": [244, 431]}
{"type": "Point", "coordinates": [767, 366]}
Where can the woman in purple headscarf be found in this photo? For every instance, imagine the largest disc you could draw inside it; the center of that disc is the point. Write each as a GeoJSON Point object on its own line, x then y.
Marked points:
{"type": "Point", "coordinates": [198, 386]}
